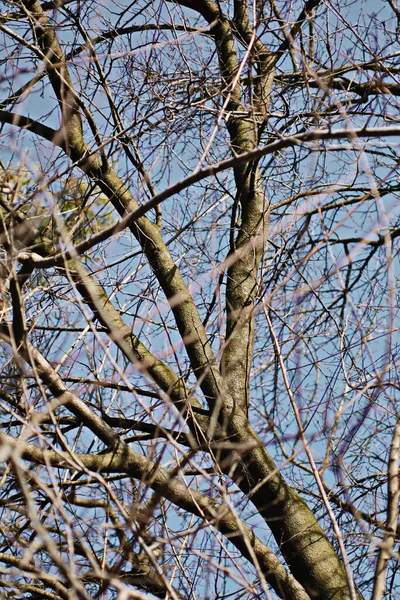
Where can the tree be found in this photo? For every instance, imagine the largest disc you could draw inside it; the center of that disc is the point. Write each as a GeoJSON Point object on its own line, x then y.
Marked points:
{"type": "Point", "coordinates": [199, 223]}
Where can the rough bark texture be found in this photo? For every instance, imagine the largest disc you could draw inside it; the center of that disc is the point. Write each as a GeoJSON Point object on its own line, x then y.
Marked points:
{"type": "Point", "coordinates": [316, 571]}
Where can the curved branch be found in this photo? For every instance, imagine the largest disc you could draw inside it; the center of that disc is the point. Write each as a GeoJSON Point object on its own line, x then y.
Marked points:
{"type": "Point", "coordinates": [286, 142]}
{"type": "Point", "coordinates": [143, 469]}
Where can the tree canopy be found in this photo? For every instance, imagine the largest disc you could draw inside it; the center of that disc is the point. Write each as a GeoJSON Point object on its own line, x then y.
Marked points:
{"type": "Point", "coordinates": [199, 348]}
